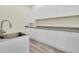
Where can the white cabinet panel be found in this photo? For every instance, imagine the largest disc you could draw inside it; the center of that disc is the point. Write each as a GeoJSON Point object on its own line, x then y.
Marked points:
{"type": "Point", "coordinates": [38, 34]}
{"type": "Point", "coordinates": [72, 10]}
{"type": "Point", "coordinates": [43, 36]}
{"type": "Point", "coordinates": [48, 37]}
{"type": "Point", "coordinates": [33, 33]}
{"type": "Point", "coordinates": [62, 40]}
{"type": "Point", "coordinates": [27, 30]}
{"type": "Point", "coordinates": [73, 42]}
{"type": "Point", "coordinates": [61, 10]}
{"type": "Point", "coordinates": [51, 35]}
{"type": "Point", "coordinates": [56, 11]}
{"type": "Point", "coordinates": [46, 12]}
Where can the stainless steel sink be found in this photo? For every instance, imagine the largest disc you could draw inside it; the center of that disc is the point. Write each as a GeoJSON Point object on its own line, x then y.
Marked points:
{"type": "Point", "coordinates": [12, 35]}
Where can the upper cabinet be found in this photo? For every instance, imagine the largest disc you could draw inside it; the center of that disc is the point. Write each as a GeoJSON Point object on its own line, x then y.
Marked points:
{"type": "Point", "coordinates": [67, 10]}
{"type": "Point", "coordinates": [61, 10]}
{"type": "Point", "coordinates": [45, 12]}
{"type": "Point", "coordinates": [72, 10]}
{"type": "Point", "coordinates": [52, 11]}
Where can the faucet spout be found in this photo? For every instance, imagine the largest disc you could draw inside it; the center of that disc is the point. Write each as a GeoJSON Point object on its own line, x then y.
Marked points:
{"type": "Point", "coordinates": [2, 22]}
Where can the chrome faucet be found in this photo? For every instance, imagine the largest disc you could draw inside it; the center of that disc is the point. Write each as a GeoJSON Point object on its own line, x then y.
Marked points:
{"type": "Point", "coordinates": [2, 26]}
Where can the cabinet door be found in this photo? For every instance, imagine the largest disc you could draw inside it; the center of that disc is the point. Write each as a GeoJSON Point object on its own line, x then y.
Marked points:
{"type": "Point", "coordinates": [73, 42]}
{"type": "Point", "coordinates": [72, 10]}
{"type": "Point", "coordinates": [32, 33]}
{"type": "Point", "coordinates": [43, 36]}
{"type": "Point", "coordinates": [46, 12]}
{"type": "Point", "coordinates": [62, 40]}
{"type": "Point", "coordinates": [61, 10]}
{"type": "Point", "coordinates": [27, 31]}
{"type": "Point", "coordinates": [51, 37]}
{"type": "Point", "coordinates": [38, 34]}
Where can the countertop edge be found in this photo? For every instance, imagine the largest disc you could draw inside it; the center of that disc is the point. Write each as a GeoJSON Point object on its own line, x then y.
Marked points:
{"type": "Point", "coordinates": [68, 29]}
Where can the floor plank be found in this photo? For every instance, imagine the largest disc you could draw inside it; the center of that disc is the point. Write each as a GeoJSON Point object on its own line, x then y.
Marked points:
{"type": "Point", "coordinates": [38, 47]}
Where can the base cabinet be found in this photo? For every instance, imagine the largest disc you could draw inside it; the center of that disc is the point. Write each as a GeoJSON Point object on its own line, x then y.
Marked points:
{"type": "Point", "coordinates": [73, 43]}
{"type": "Point", "coordinates": [27, 31]}
{"type": "Point", "coordinates": [43, 36]}
{"type": "Point", "coordinates": [47, 37]}
{"type": "Point", "coordinates": [62, 40]}
{"type": "Point", "coordinates": [33, 33]}
{"type": "Point", "coordinates": [38, 34]}
{"type": "Point", "coordinates": [51, 35]}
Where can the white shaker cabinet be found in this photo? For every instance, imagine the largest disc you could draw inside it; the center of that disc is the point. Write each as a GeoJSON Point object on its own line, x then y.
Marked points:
{"type": "Point", "coordinates": [61, 10]}
{"type": "Point", "coordinates": [27, 30]}
{"type": "Point", "coordinates": [51, 37]}
{"type": "Point", "coordinates": [73, 42]}
{"type": "Point", "coordinates": [48, 37]}
{"type": "Point", "coordinates": [43, 36]}
{"type": "Point", "coordinates": [72, 10]}
{"type": "Point", "coordinates": [37, 33]}
{"type": "Point", "coordinates": [56, 11]}
{"type": "Point", "coordinates": [67, 10]}
{"type": "Point", "coordinates": [46, 12]}
{"type": "Point", "coordinates": [33, 33]}
{"type": "Point", "coordinates": [62, 40]}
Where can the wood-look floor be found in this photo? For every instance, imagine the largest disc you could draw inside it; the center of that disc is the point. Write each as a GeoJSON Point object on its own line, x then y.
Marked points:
{"type": "Point", "coordinates": [38, 47]}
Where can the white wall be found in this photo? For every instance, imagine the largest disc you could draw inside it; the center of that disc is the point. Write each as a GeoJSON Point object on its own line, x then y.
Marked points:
{"type": "Point", "coordinates": [17, 14]}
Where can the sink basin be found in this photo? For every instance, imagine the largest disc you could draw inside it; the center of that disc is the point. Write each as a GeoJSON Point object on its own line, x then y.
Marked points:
{"type": "Point", "coordinates": [12, 35]}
